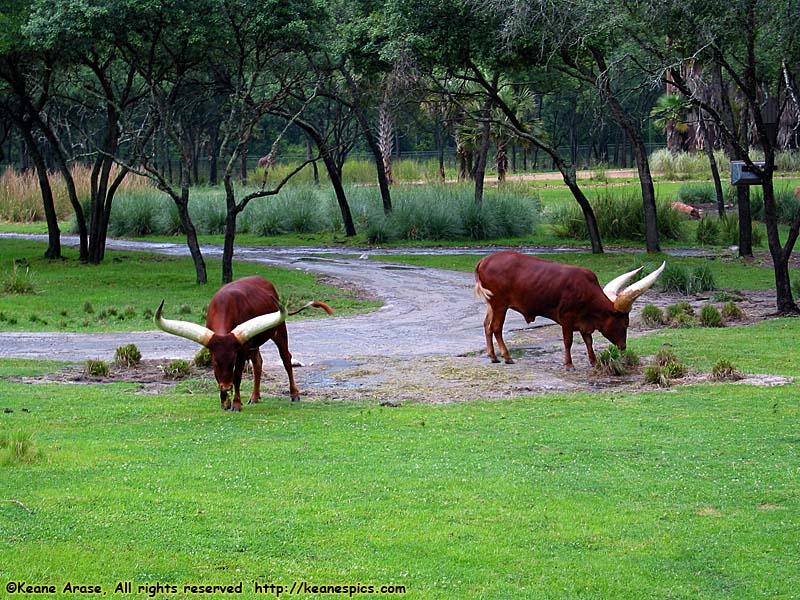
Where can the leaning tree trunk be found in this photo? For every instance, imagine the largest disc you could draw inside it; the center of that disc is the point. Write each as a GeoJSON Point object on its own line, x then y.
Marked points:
{"type": "Point", "coordinates": [570, 179]}
{"type": "Point", "coordinates": [334, 174]}
{"type": "Point", "coordinates": [712, 163]}
{"type": "Point", "coordinates": [372, 143]}
{"type": "Point", "coordinates": [182, 203]}
{"type": "Point", "coordinates": [623, 119]}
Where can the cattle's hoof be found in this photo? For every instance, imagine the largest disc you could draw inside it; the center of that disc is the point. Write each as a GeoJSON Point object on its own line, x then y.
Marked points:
{"type": "Point", "coordinates": [570, 367]}
{"type": "Point", "coordinates": [295, 398]}
{"type": "Point", "coordinates": [509, 361]}
{"type": "Point", "coordinates": [236, 408]}
{"type": "Point", "coordinates": [495, 359]}
{"type": "Point", "coordinates": [253, 401]}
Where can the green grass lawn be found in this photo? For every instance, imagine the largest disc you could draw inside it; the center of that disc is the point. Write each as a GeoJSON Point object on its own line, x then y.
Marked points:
{"type": "Point", "coordinates": [123, 292]}
{"type": "Point", "coordinates": [686, 493]}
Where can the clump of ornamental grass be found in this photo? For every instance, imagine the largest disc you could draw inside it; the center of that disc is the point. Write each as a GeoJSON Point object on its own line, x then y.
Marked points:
{"type": "Point", "coordinates": [177, 369]}
{"type": "Point", "coordinates": [127, 356]}
{"type": "Point", "coordinates": [620, 216]}
{"type": "Point", "coordinates": [654, 375]}
{"type": "Point", "coordinates": [96, 368]}
{"type": "Point", "coordinates": [710, 316]}
{"type": "Point", "coordinates": [653, 316]}
{"type": "Point", "coordinates": [18, 447]}
{"type": "Point", "coordinates": [664, 369]}
{"type": "Point", "coordinates": [732, 312]}
{"type": "Point", "coordinates": [677, 278]}
{"type": "Point", "coordinates": [19, 280]}
{"type": "Point", "coordinates": [725, 370]}
{"type": "Point", "coordinates": [708, 231]}
{"type": "Point", "coordinates": [616, 362]}
{"type": "Point", "coordinates": [203, 358]}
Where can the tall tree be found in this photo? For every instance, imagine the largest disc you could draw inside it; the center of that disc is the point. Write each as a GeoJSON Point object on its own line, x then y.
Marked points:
{"type": "Point", "coordinates": [464, 41]}
{"type": "Point", "coordinates": [587, 41]}
{"type": "Point", "coordinates": [259, 44]}
{"type": "Point", "coordinates": [745, 45]}
{"type": "Point", "coordinates": [25, 90]}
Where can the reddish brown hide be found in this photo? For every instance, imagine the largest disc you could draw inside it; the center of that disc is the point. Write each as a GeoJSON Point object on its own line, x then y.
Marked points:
{"type": "Point", "coordinates": [242, 316]}
{"type": "Point", "coordinates": [571, 296]}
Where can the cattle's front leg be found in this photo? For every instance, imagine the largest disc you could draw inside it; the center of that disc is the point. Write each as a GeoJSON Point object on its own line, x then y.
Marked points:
{"type": "Point", "coordinates": [255, 359]}
{"type": "Point", "coordinates": [224, 401]}
{"type": "Point", "coordinates": [587, 339]}
{"type": "Point", "coordinates": [236, 405]}
{"type": "Point", "coordinates": [568, 335]}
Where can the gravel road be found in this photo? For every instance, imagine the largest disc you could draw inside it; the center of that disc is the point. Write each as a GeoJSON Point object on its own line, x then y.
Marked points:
{"type": "Point", "coordinates": [425, 312]}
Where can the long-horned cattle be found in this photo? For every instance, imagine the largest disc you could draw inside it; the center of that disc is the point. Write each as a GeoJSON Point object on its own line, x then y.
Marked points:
{"type": "Point", "coordinates": [242, 316]}
{"type": "Point", "coordinates": [569, 295]}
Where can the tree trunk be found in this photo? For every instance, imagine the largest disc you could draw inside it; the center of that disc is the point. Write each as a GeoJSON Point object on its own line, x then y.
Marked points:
{"type": "Point", "coordinates": [648, 194]}
{"type": "Point", "coordinates": [745, 222]}
{"type": "Point", "coordinates": [712, 163]}
{"type": "Point", "coordinates": [72, 192]}
{"type": "Point", "coordinates": [372, 143]}
{"type": "Point", "coordinates": [483, 151]}
{"type": "Point", "coordinates": [570, 179]}
{"type": "Point", "coordinates": [182, 202]}
{"type": "Point", "coordinates": [231, 215]}
{"type": "Point", "coordinates": [213, 169]}
{"type": "Point", "coordinates": [636, 140]}
{"type": "Point", "coordinates": [341, 197]}
{"type": "Point", "coordinates": [440, 151]}
{"type": "Point", "coordinates": [53, 232]}
{"type": "Point", "coordinates": [334, 174]}
{"type": "Point", "coordinates": [780, 256]}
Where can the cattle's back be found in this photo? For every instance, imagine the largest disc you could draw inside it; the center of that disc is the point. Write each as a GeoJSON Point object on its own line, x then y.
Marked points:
{"type": "Point", "coordinates": [239, 301]}
{"type": "Point", "coordinates": [535, 286]}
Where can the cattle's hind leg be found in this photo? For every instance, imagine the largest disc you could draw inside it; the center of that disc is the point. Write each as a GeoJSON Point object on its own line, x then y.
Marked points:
{"type": "Point", "coordinates": [255, 359]}
{"type": "Point", "coordinates": [281, 340]}
{"type": "Point", "coordinates": [493, 325]}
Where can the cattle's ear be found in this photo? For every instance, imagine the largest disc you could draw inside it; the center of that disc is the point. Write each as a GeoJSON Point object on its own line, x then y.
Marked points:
{"type": "Point", "coordinates": [628, 296]}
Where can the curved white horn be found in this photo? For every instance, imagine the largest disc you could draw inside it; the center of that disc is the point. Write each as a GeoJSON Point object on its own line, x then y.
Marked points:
{"type": "Point", "coordinates": [190, 331]}
{"type": "Point", "coordinates": [244, 331]}
{"type": "Point", "coordinates": [611, 289]}
{"type": "Point", "coordinates": [628, 296]}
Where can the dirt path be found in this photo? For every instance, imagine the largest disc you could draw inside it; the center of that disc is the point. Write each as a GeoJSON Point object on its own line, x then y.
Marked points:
{"type": "Point", "coordinates": [425, 343]}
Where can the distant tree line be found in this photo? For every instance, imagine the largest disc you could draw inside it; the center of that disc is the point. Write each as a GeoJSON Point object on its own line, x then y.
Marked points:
{"type": "Point", "coordinates": [156, 88]}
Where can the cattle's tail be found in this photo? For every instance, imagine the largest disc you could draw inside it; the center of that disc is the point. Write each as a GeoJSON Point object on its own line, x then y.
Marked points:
{"type": "Point", "coordinates": [481, 292]}
{"type": "Point", "coordinates": [313, 304]}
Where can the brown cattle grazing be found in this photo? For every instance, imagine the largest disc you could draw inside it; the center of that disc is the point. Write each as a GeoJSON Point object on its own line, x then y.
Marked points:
{"type": "Point", "coordinates": [687, 209]}
{"type": "Point", "coordinates": [242, 316]}
{"type": "Point", "coordinates": [570, 296]}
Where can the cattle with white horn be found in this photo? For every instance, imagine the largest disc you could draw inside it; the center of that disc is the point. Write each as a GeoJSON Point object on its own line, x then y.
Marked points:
{"type": "Point", "coordinates": [242, 316]}
{"type": "Point", "coordinates": [569, 295]}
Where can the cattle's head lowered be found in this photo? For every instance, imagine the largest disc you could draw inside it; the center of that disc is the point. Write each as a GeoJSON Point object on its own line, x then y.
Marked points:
{"type": "Point", "coordinates": [242, 316]}
{"type": "Point", "coordinates": [571, 296]}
